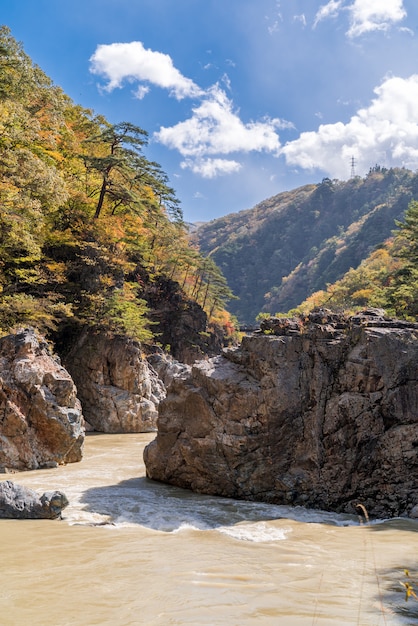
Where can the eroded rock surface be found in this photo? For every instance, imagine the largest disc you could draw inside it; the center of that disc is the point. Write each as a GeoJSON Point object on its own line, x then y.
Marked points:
{"type": "Point", "coordinates": [19, 502]}
{"type": "Point", "coordinates": [118, 388]}
{"type": "Point", "coordinates": [322, 413]}
{"type": "Point", "coordinates": [41, 423]}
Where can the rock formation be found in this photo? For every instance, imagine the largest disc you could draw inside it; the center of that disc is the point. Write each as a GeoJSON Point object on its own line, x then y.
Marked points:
{"type": "Point", "coordinates": [19, 502]}
{"type": "Point", "coordinates": [41, 423]}
{"type": "Point", "coordinates": [118, 389]}
{"type": "Point", "coordinates": [321, 413]}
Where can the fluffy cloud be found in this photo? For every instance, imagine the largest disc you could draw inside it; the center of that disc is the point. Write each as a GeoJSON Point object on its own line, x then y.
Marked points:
{"type": "Point", "coordinates": [118, 62]}
{"type": "Point", "coordinates": [368, 15]}
{"type": "Point", "coordinates": [386, 132]}
{"type": "Point", "coordinates": [365, 15]}
{"type": "Point", "coordinates": [211, 168]}
{"type": "Point", "coordinates": [216, 129]}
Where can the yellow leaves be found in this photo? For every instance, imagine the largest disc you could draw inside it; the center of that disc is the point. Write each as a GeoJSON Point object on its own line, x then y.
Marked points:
{"type": "Point", "coordinates": [8, 192]}
{"type": "Point", "coordinates": [125, 313]}
{"type": "Point", "coordinates": [148, 194]}
{"type": "Point", "coordinates": [54, 155]}
{"type": "Point", "coordinates": [21, 309]}
{"type": "Point", "coordinates": [107, 281]}
{"type": "Point", "coordinates": [362, 296]}
{"type": "Point", "coordinates": [315, 300]}
{"type": "Point", "coordinates": [226, 321]}
{"type": "Point", "coordinates": [58, 270]}
{"type": "Point", "coordinates": [409, 588]}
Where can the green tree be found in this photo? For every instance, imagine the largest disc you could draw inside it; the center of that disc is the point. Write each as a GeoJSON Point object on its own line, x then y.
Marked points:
{"type": "Point", "coordinates": [408, 230]}
{"type": "Point", "coordinates": [123, 142]}
{"type": "Point", "coordinates": [403, 292]}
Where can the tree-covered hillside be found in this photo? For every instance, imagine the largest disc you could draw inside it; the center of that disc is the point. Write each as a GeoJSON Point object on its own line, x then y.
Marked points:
{"type": "Point", "coordinates": [91, 233]}
{"type": "Point", "coordinates": [280, 252]}
{"type": "Point", "coordinates": [387, 279]}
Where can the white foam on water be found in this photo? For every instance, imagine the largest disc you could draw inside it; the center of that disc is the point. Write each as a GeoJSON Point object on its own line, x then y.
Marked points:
{"type": "Point", "coordinates": [260, 532]}
{"type": "Point", "coordinates": [169, 509]}
{"type": "Point", "coordinates": [186, 527]}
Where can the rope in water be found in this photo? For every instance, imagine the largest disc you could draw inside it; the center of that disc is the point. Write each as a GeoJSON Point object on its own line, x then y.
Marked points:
{"type": "Point", "coordinates": [369, 544]}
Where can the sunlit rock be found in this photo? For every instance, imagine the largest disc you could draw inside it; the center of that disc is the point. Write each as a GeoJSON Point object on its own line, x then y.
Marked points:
{"type": "Point", "coordinates": [41, 423]}
{"type": "Point", "coordinates": [118, 388]}
{"type": "Point", "coordinates": [321, 412]}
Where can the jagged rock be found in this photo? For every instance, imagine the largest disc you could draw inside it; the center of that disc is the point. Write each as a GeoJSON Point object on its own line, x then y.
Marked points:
{"type": "Point", "coordinates": [326, 417]}
{"type": "Point", "coordinates": [166, 367]}
{"type": "Point", "coordinates": [41, 422]}
{"type": "Point", "coordinates": [19, 502]}
{"type": "Point", "coordinates": [118, 389]}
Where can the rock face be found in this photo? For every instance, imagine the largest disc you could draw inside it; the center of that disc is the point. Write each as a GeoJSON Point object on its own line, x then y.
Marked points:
{"type": "Point", "coordinates": [181, 323]}
{"type": "Point", "coordinates": [118, 389]}
{"type": "Point", "coordinates": [41, 423]}
{"type": "Point", "coordinates": [19, 502]}
{"type": "Point", "coordinates": [321, 413]}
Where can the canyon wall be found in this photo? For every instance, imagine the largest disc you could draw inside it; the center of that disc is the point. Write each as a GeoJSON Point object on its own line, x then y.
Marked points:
{"type": "Point", "coordinates": [321, 413]}
{"type": "Point", "coordinates": [118, 388]}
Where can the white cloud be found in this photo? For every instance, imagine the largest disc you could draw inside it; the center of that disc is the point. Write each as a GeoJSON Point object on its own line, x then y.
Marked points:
{"type": "Point", "coordinates": [141, 92]}
{"type": "Point", "coordinates": [226, 81]}
{"type": "Point", "coordinates": [369, 15]}
{"type": "Point", "coordinates": [216, 129]}
{"type": "Point", "coordinates": [274, 28]}
{"type": "Point", "coordinates": [331, 9]}
{"type": "Point", "coordinates": [118, 62]}
{"type": "Point", "coordinates": [300, 18]}
{"type": "Point", "coordinates": [211, 168]}
{"type": "Point", "coordinates": [365, 15]}
{"type": "Point", "coordinates": [386, 132]}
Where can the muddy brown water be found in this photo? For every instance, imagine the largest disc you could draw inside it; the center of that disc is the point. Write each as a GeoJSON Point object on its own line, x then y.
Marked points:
{"type": "Point", "coordinates": [130, 551]}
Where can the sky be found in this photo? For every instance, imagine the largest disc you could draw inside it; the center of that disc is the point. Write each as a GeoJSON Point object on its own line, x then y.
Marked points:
{"type": "Point", "coordinates": [242, 99]}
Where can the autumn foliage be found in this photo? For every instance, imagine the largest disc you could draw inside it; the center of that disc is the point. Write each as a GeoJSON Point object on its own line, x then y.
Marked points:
{"type": "Point", "coordinates": [87, 222]}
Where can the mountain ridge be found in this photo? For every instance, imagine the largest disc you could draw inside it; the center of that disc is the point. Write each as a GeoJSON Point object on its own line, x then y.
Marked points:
{"type": "Point", "coordinates": [290, 245]}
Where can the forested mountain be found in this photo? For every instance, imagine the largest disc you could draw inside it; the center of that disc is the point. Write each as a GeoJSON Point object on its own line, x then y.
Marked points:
{"type": "Point", "coordinates": [277, 254]}
{"type": "Point", "coordinates": [91, 233]}
{"type": "Point", "coordinates": [387, 278]}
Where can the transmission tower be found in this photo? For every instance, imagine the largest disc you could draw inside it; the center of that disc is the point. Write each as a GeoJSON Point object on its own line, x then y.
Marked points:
{"type": "Point", "coordinates": [353, 167]}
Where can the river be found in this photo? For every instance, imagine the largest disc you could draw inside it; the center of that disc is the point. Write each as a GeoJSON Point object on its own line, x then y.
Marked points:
{"type": "Point", "coordinates": [129, 551]}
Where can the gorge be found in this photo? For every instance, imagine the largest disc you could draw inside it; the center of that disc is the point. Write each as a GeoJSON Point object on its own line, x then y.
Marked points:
{"type": "Point", "coordinates": [319, 412]}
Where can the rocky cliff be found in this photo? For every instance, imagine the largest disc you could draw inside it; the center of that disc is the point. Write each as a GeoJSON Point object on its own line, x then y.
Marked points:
{"type": "Point", "coordinates": [118, 388]}
{"type": "Point", "coordinates": [41, 423]}
{"type": "Point", "coordinates": [321, 413]}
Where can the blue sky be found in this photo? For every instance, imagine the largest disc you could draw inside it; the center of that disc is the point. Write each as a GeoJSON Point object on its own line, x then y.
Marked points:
{"type": "Point", "coordinates": [242, 99]}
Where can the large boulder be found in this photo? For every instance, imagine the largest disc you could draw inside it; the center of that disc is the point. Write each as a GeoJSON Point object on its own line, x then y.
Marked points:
{"type": "Point", "coordinates": [41, 423]}
{"type": "Point", "coordinates": [118, 388]}
{"type": "Point", "coordinates": [321, 413]}
{"type": "Point", "coordinates": [19, 502]}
